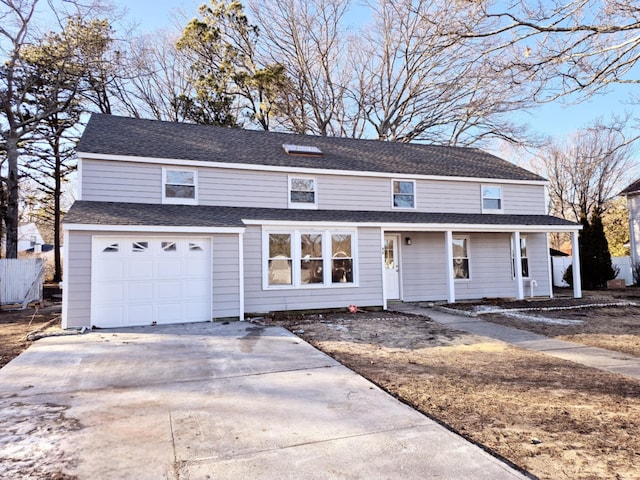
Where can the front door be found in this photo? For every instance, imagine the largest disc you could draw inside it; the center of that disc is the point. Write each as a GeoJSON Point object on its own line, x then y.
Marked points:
{"type": "Point", "coordinates": [391, 267]}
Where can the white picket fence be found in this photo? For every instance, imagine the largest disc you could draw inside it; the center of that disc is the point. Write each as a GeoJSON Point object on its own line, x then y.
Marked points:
{"type": "Point", "coordinates": [21, 280]}
{"type": "Point", "coordinates": [560, 265]}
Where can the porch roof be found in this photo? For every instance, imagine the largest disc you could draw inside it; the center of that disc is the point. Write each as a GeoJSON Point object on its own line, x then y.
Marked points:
{"type": "Point", "coordinates": [86, 214]}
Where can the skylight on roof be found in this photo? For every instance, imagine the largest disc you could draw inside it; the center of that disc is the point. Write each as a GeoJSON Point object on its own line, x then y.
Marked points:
{"type": "Point", "coordinates": [301, 149]}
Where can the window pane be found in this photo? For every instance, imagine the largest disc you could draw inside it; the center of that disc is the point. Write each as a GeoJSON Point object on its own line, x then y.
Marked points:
{"type": "Point", "coordinates": [525, 267]}
{"type": "Point", "coordinates": [168, 246]}
{"type": "Point", "coordinates": [302, 184]}
{"type": "Point", "coordinates": [523, 247]}
{"type": "Point", "coordinates": [341, 246]}
{"type": "Point", "coordinates": [490, 192]}
{"type": "Point", "coordinates": [342, 270]}
{"type": "Point", "coordinates": [311, 271]}
{"type": "Point", "coordinates": [403, 201]}
{"type": "Point", "coordinates": [403, 187]}
{"type": "Point", "coordinates": [303, 197]}
{"type": "Point", "coordinates": [279, 245]}
{"type": "Point", "coordinates": [180, 178]}
{"type": "Point", "coordinates": [491, 204]}
{"type": "Point", "coordinates": [279, 272]}
{"type": "Point", "coordinates": [460, 247]}
{"type": "Point", "coordinates": [180, 191]}
{"type": "Point", "coordinates": [311, 245]}
{"type": "Point", "coordinates": [460, 268]}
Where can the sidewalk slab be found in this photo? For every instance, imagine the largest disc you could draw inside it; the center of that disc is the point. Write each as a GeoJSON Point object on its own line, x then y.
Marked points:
{"type": "Point", "coordinates": [214, 401]}
{"type": "Point", "coordinates": [600, 358]}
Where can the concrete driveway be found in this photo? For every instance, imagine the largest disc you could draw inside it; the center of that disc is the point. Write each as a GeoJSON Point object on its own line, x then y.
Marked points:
{"type": "Point", "coordinates": [213, 401]}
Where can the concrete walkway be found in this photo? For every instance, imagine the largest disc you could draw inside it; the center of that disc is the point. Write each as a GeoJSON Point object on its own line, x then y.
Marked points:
{"type": "Point", "coordinates": [213, 401]}
{"type": "Point", "coordinates": [608, 360]}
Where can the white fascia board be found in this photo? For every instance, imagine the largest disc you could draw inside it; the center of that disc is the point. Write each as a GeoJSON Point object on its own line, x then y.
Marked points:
{"type": "Point", "coordinates": [149, 228]}
{"type": "Point", "coordinates": [420, 227]}
{"type": "Point", "coordinates": [301, 170]}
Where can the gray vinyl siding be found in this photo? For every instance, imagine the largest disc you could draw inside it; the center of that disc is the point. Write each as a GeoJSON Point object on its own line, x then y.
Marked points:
{"type": "Point", "coordinates": [633, 202]}
{"type": "Point", "coordinates": [77, 287]}
{"type": "Point", "coordinates": [490, 265]}
{"type": "Point", "coordinates": [242, 188]}
{"type": "Point", "coordinates": [422, 268]}
{"type": "Point", "coordinates": [423, 271]}
{"type": "Point", "coordinates": [226, 276]}
{"type": "Point", "coordinates": [112, 181]}
{"type": "Point", "coordinates": [367, 293]}
{"type": "Point", "coordinates": [108, 180]}
{"type": "Point", "coordinates": [538, 253]}
{"type": "Point", "coordinates": [524, 199]}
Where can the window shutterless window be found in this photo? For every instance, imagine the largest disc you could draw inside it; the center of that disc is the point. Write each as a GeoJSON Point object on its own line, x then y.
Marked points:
{"type": "Point", "coordinates": [303, 192]}
{"type": "Point", "coordinates": [524, 259]}
{"type": "Point", "coordinates": [404, 194]}
{"type": "Point", "coordinates": [491, 199]}
{"type": "Point", "coordinates": [460, 257]}
{"type": "Point", "coordinates": [300, 258]}
{"type": "Point", "coordinates": [280, 259]}
{"type": "Point", "coordinates": [179, 186]}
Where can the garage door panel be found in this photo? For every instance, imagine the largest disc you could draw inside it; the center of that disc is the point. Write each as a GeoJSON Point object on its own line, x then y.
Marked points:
{"type": "Point", "coordinates": [169, 289]}
{"type": "Point", "coordinates": [138, 281]}
{"type": "Point", "coordinates": [141, 269]}
{"type": "Point", "coordinates": [113, 270]}
{"type": "Point", "coordinates": [168, 268]}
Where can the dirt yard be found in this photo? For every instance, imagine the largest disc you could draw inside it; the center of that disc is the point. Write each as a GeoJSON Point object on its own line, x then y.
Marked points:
{"type": "Point", "coordinates": [15, 325]}
{"type": "Point", "coordinates": [553, 418]}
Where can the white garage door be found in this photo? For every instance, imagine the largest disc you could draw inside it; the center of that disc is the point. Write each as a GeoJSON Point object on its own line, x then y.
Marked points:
{"type": "Point", "coordinates": [142, 280]}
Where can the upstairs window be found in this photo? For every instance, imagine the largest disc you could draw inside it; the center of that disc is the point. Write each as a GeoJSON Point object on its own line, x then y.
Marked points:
{"type": "Point", "coordinates": [491, 199]}
{"type": "Point", "coordinates": [179, 186]}
{"type": "Point", "coordinates": [303, 192]}
{"type": "Point", "coordinates": [404, 194]}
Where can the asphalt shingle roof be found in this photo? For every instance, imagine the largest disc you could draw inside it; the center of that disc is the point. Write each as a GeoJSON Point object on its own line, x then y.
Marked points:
{"type": "Point", "coordinates": [633, 188]}
{"type": "Point", "coordinates": [113, 213]}
{"type": "Point", "coordinates": [108, 134]}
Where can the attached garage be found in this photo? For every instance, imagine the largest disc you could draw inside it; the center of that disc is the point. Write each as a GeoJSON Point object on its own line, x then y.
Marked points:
{"type": "Point", "coordinates": [143, 280]}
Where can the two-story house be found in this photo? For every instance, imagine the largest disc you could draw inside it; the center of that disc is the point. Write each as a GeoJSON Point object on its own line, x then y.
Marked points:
{"type": "Point", "coordinates": [185, 223]}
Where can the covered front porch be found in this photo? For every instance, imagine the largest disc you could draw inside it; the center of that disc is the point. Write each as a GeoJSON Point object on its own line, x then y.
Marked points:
{"type": "Point", "coordinates": [464, 262]}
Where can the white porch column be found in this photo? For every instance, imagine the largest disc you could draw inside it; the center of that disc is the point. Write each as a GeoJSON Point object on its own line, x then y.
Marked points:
{"type": "Point", "coordinates": [517, 260]}
{"type": "Point", "coordinates": [575, 253]}
{"type": "Point", "coordinates": [549, 266]}
{"type": "Point", "coordinates": [451, 286]}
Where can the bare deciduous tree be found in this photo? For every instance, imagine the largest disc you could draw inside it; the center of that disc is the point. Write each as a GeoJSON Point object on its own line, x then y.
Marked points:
{"type": "Point", "coordinates": [309, 40]}
{"type": "Point", "coordinates": [588, 169]}
{"type": "Point", "coordinates": [418, 79]}
{"type": "Point", "coordinates": [564, 46]}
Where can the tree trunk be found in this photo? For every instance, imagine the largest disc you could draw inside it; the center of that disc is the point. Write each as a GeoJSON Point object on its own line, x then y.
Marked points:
{"type": "Point", "coordinates": [57, 275]}
{"type": "Point", "coordinates": [13, 177]}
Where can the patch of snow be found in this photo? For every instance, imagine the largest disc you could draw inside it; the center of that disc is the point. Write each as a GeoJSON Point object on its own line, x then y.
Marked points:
{"type": "Point", "coordinates": [537, 319]}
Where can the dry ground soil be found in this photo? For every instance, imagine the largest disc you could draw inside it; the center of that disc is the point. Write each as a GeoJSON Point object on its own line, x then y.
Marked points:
{"type": "Point", "coordinates": [553, 418]}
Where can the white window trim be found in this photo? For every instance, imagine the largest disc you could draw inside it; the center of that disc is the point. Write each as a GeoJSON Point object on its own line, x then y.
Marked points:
{"type": "Point", "coordinates": [179, 201]}
{"type": "Point", "coordinates": [492, 210]}
{"type": "Point", "coordinates": [513, 257]}
{"type": "Point", "coordinates": [296, 256]}
{"type": "Point", "coordinates": [302, 205]}
{"type": "Point", "coordinates": [468, 257]}
{"type": "Point", "coordinates": [415, 194]}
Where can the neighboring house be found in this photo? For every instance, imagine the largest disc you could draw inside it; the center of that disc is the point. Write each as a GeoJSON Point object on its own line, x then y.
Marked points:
{"type": "Point", "coordinates": [632, 192]}
{"type": "Point", "coordinates": [183, 223]}
{"type": "Point", "coordinates": [28, 237]}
